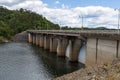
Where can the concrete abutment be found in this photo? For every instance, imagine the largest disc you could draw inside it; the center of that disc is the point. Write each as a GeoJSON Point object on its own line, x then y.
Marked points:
{"type": "Point", "coordinates": [91, 52]}
{"type": "Point", "coordinates": [106, 51]}
{"type": "Point", "coordinates": [101, 51]}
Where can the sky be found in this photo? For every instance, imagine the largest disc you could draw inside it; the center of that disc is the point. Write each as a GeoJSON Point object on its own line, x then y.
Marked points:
{"type": "Point", "coordinates": [95, 13]}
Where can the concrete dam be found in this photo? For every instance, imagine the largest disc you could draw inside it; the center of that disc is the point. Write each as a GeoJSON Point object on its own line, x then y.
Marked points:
{"type": "Point", "coordinates": [102, 46]}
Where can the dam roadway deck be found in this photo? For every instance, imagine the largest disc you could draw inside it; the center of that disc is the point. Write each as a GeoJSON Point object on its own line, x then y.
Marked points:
{"type": "Point", "coordinates": [107, 34]}
{"type": "Point", "coordinates": [103, 46]}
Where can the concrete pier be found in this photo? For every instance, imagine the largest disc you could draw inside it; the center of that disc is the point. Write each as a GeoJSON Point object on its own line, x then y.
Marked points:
{"type": "Point", "coordinates": [34, 38]}
{"type": "Point", "coordinates": [46, 42]}
{"type": "Point", "coordinates": [75, 46]}
{"type": "Point", "coordinates": [53, 44]}
{"type": "Point", "coordinates": [62, 45]}
{"type": "Point", "coordinates": [37, 40]}
{"type": "Point", "coordinates": [41, 41]}
{"type": "Point", "coordinates": [29, 38]}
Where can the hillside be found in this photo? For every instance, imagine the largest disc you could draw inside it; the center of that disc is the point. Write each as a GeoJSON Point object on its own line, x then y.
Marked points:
{"type": "Point", "coordinates": [16, 21]}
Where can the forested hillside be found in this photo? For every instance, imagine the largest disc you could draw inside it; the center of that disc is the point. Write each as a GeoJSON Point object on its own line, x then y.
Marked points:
{"type": "Point", "coordinates": [15, 21]}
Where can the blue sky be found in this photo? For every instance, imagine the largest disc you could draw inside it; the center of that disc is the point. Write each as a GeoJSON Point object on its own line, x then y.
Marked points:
{"type": "Point", "coordinates": [84, 3]}
{"type": "Point", "coordinates": [66, 12]}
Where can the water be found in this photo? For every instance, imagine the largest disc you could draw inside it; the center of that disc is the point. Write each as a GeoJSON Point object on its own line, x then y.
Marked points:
{"type": "Point", "coordinates": [23, 61]}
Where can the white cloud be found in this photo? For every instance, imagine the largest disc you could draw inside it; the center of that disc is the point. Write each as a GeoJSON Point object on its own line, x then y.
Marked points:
{"type": "Point", "coordinates": [57, 2]}
{"type": "Point", "coordinates": [93, 15]}
{"type": "Point", "coordinates": [33, 5]}
{"type": "Point", "coordinates": [10, 2]}
{"type": "Point", "coordinates": [64, 6]}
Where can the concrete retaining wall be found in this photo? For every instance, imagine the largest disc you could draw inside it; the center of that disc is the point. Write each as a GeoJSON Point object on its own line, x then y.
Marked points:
{"type": "Point", "coordinates": [106, 51]}
{"type": "Point", "coordinates": [101, 51]}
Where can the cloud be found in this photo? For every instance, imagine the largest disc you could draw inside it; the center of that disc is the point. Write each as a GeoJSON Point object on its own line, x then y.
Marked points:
{"type": "Point", "coordinates": [10, 2]}
{"type": "Point", "coordinates": [57, 2]}
{"type": "Point", "coordinates": [33, 5]}
{"type": "Point", "coordinates": [92, 15]}
{"type": "Point", "coordinates": [64, 6]}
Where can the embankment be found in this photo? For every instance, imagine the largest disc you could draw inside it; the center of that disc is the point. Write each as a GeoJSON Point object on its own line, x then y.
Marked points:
{"type": "Point", "coordinates": [20, 37]}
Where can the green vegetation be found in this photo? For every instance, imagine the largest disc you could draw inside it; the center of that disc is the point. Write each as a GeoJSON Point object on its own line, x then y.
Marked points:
{"type": "Point", "coordinates": [15, 21]}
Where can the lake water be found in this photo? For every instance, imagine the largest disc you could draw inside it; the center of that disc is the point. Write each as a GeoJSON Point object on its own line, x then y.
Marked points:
{"type": "Point", "coordinates": [23, 61]}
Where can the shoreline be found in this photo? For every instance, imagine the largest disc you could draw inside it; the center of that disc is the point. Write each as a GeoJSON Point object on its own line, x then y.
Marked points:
{"type": "Point", "coordinates": [81, 74]}
{"type": "Point", "coordinates": [95, 72]}
{"type": "Point", "coordinates": [5, 41]}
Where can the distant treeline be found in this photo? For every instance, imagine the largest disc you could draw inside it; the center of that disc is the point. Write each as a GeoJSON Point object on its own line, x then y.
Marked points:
{"type": "Point", "coordinates": [84, 28]}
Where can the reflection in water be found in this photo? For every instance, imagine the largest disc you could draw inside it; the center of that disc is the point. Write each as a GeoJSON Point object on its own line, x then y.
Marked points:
{"type": "Point", "coordinates": [22, 61]}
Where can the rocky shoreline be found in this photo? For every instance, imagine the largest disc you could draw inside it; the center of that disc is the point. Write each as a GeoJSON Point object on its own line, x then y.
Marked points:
{"type": "Point", "coordinates": [96, 72]}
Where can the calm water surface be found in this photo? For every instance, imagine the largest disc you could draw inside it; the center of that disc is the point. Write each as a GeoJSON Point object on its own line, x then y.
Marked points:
{"type": "Point", "coordinates": [23, 61]}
